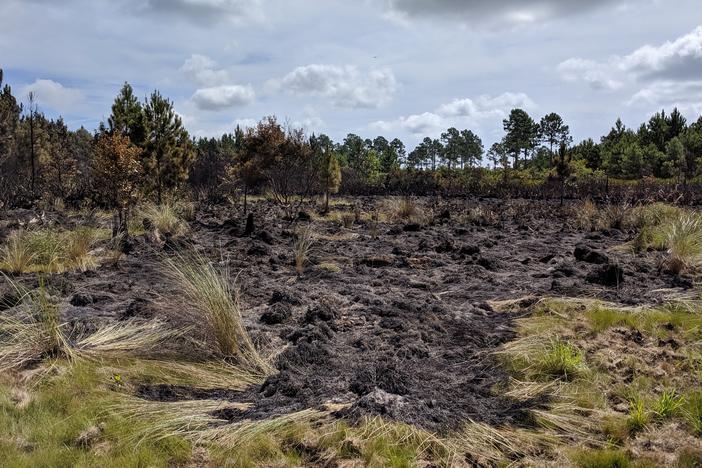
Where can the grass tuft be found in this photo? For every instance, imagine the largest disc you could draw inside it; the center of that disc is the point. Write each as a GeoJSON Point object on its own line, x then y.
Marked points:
{"type": "Point", "coordinates": [561, 360]}
{"type": "Point", "coordinates": [684, 242]}
{"type": "Point", "coordinates": [302, 248]}
{"type": "Point", "coordinates": [212, 304]}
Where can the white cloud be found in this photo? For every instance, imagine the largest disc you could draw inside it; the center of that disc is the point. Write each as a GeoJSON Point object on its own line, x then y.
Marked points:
{"type": "Point", "coordinates": [459, 113]}
{"type": "Point", "coordinates": [345, 86]}
{"type": "Point", "coordinates": [223, 97]}
{"type": "Point", "coordinates": [54, 95]}
{"type": "Point", "coordinates": [597, 75]}
{"type": "Point", "coordinates": [203, 71]}
{"type": "Point", "coordinates": [686, 96]}
{"type": "Point", "coordinates": [486, 106]}
{"type": "Point", "coordinates": [678, 59]}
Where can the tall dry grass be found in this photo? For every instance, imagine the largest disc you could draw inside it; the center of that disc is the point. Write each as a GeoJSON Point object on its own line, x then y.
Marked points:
{"type": "Point", "coordinates": [212, 303]}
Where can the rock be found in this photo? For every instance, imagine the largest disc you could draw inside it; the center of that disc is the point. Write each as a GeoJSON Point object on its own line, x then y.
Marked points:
{"type": "Point", "coordinates": [258, 250]}
{"type": "Point", "coordinates": [81, 300]}
{"type": "Point", "coordinates": [324, 312]}
{"type": "Point", "coordinates": [266, 237]}
{"type": "Point", "coordinates": [487, 263]}
{"type": "Point", "coordinates": [444, 246]}
{"type": "Point", "coordinates": [607, 275]}
{"type": "Point", "coordinates": [139, 307]}
{"type": "Point", "coordinates": [380, 402]}
{"type": "Point", "coordinates": [277, 313]}
{"type": "Point", "coordinates": [284, 296]}
{"type": "Point", "coordinates": [469, 249]}
{"type": "Point", "coordinates": [585, 253]}
{"type": "Point", "coordinates": [377, 261]}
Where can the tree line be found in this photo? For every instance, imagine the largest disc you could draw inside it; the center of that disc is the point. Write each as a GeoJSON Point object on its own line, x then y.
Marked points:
{"type": "Point", "coordinates": [144, 150]}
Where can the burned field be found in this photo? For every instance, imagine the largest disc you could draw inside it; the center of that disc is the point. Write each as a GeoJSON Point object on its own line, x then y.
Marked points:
{"type": "Point", "coordinates": [384, 332]}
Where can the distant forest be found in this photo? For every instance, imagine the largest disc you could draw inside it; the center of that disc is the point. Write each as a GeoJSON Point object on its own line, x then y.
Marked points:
{"type": "Point", "coordinates": [144, 151]}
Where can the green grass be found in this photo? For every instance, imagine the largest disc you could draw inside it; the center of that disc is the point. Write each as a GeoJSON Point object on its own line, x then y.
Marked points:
{"type": "Point", "coordinates": [44, 431]}
{"type": "Point", "coordinates": [603, 318]}
{"type": "Point", "coordinates": [561, 360]}
{"type": "Point", "coordinates": [692, 410]}
{"type": "Point", "coordinates": [668, 404]}
{"type": "Point", "coordinates": [639, 416]}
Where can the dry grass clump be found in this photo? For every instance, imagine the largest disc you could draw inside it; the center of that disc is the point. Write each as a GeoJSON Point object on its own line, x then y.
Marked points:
{"type": "Point", "coordinates": [404, 209]}
{"type": "Point", "coordinates": [50, 250]}
{"type": "Point", "coordinates": [169, 217]}
{"type": "Point", "coordinates": [212, 304]}
{"type": "Point", "coordinates": [32, 332]}
{"type": "Point", "coordinates": [684, 242]}
{"type": "Point", "coordinates": [302, 248]}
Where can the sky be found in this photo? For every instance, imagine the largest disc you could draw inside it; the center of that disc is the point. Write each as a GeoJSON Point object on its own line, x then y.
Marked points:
{"type": "Point", "coordinates": [397, 68]}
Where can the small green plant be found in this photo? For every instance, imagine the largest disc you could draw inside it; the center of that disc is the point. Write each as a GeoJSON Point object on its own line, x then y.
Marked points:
{"type": "Point", "coordinates": [561, 360]}
{"type": "Point", "coordinates": [638, 415]}
{"type": "Point", "coordinates": [668, 404]}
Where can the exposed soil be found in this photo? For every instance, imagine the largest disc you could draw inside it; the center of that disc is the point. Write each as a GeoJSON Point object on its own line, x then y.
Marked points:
{"type": "Point", "coordinates": [404, 329]}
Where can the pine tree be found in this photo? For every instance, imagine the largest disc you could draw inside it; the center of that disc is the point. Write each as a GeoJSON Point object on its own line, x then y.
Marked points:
{"type": "Point", "coordinates": [128, 117]}
{"type": "Point", "coordinates": [168, 149]}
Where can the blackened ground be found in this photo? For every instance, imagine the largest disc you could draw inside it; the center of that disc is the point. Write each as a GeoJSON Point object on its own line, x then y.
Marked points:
{"type": "Point", "coordinates": [404, 329]}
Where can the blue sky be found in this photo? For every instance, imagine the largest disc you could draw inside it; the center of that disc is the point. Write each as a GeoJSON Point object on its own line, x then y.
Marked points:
{"type": "Point", "coordinates": [400, 68]}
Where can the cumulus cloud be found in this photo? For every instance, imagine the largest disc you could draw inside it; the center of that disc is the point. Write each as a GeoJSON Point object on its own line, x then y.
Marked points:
{"type": "Point", "coordinates": [54, 95]}
{"type": "Point", "coordinates": [665, 70]}
{"type": "Point", "coordinates": [678, 59]}
{"type": "Point", "coordinates": [685, 95]}
{"type": "Point", "coordinates": [202, 70]}
{"type": "Point", "coordinates": [459, 112]}
{"type": "Point", "coordinates": [205, 11]}
{"type": "Point", "coordinates": [597, 75]}
{"type": "Point", "coordinates": [486, 106]}
{"type": "Point", "coordinates": [345, 86]}
{"type": "Point", "coordinates": [492, 12]}
{"type": "Point", "coordinates": [223, 97]}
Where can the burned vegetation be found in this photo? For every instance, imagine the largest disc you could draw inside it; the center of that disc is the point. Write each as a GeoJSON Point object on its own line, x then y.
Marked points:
{"type": "Point", "coordinates": [267, 299]}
